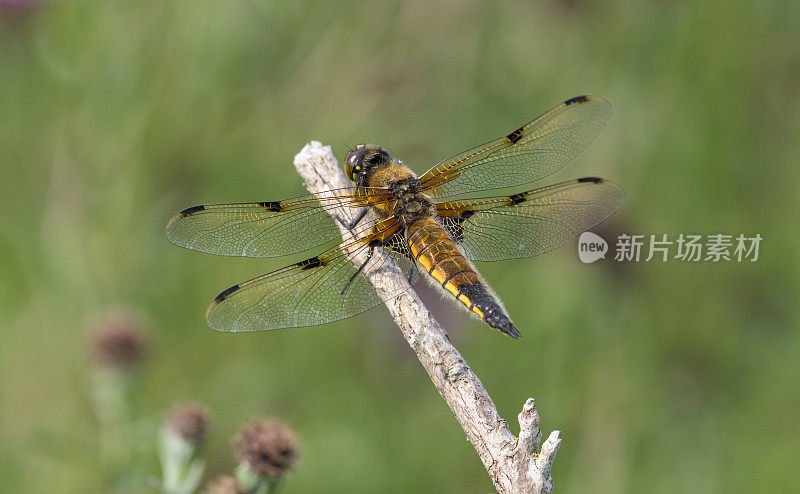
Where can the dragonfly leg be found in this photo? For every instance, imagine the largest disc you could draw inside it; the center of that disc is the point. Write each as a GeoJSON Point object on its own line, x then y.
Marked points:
{"type": "Point", "coordinates": [412, 270]}
{"type": "Point", "coordinates": [360, 268]}
{"type": "Point", "coordinates": [355, 221]}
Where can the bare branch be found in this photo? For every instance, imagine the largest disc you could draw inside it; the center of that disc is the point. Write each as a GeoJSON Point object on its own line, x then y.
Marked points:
{"type": "Point", "coordinates": [513, 465]}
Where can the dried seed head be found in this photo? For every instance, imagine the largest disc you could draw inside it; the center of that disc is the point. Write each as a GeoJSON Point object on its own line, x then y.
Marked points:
{"type": "Point", "coordinates": [267, 447]}
{"type": "Point", "coordinates": [189, 421]}
{"type": "Point", "coordinates": [224, 484]}
{"type": "Point", "coordinates": [119, 340]}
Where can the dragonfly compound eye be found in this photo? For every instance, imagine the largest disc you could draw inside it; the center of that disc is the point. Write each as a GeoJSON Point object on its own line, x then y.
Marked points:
{"type": "Point", "coordinates": [353, 164]}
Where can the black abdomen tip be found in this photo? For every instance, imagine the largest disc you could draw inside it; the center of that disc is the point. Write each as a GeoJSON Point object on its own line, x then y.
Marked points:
{"type": "Point", "coordinates": [506, 326]}
{"type": "Point", "coordinates": [496, 319]}
{"type": "Point", "coordinates": [226, 293]}
{"type": "Point", "coordinates": [193, 209]}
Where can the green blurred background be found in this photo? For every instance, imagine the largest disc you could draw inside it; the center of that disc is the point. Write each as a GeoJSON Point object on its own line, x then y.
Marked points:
{"type": "Point", "coordinates": [663, 377]}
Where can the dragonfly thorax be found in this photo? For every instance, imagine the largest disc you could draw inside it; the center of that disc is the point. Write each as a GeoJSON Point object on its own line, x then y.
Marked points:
{"type": "Point", "coordinates": [410, 204]}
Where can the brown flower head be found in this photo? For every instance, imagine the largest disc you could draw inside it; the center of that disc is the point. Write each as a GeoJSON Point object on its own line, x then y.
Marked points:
{"type": "Point", "coordinates": [224, 484]}
{"type": "Point", "coordinates": [119, 340]}
{"type": "Point", "coordinates": [268, 447]}
{"type": "Point", "coordinates": [189, 421]}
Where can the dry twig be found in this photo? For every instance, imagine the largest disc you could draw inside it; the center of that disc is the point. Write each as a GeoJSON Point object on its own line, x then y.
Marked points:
{"type": "Point", "coordinates": [513, 464]}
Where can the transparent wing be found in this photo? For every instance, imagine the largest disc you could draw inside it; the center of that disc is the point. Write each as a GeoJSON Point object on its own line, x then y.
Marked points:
{"type": "Point", "coordinates": [527, 154]}
{"type": "Point", "coordinates": [266, 229]}
{"type": "Point", "coordinates": [323, 289]}
{"type": "Point", "coordinates": [530, 223]}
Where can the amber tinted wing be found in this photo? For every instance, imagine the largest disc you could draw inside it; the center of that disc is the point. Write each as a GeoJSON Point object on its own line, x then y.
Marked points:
{"type": "Point", "coordinates": [317, 290]}
{"type": "Point", "coordinates": [527, 154]}
{"type": "Point", "coordinates": [530, 223]}
{"type": "Point", "coordinates": [264, 229]}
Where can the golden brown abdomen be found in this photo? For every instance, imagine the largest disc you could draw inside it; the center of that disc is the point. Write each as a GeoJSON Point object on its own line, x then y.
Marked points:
{"type": "Point", "coordinates": [433, 248]}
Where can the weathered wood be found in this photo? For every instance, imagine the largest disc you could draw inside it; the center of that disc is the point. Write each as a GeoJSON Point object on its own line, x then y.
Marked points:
{"type": "Point", "coordinates": [513, 465]}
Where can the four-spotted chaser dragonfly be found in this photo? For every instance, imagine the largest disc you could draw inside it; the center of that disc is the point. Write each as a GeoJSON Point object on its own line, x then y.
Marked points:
{"type": "Point", "coordinates": [422, 223]}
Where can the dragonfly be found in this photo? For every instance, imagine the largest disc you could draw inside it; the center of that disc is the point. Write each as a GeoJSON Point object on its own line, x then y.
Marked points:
{"type": "Point", "coordinates": [429, 226]}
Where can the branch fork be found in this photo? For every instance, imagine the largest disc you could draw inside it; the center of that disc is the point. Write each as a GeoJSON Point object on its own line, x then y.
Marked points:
{"type": "Point", "coordinates": [516, 465]}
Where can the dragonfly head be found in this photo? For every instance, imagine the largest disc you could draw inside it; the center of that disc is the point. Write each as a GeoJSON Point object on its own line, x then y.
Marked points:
{"type": "Point", "coordinates": [363, 160]}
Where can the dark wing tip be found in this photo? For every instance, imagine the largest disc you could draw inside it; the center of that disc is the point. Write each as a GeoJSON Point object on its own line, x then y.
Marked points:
{"type": "Point", "coordinates": [225, 294]}
{"type": "Point", "coordinates": [577, 99]}
{"type": "Point", "coordinates": [595, 180]}
{"type": "Point", "coordinates": [191, 210]}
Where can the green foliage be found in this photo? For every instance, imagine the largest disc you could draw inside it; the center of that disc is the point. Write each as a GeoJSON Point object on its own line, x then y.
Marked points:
{"type": "Point", "coordinates": [115, 115]}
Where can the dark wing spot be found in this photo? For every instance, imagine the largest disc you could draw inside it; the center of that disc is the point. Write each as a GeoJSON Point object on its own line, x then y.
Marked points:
{"type": "Point", "coordinates": [596, 180]}
{"type": "Point", "coordinates": [314, 262]}
{"type": "Point", "coordinates": [576, 99]}
{"type": "Point", "coordinates": [191, 210]}
{"type": "Point", "coordinates": [395, 243]}
{"type": "Point", "coordinates": [455, 226]}
{"type": "Point", "coordinates": [515, 136]}
{"type": "Point", "coordinates": [226, 293]}
{"type": "Point", "coordinates": [456, 230]}
{"type": "Point", "coordinates": [271, 205]}
{"type": "Point", "coordinates": [517, 198]}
